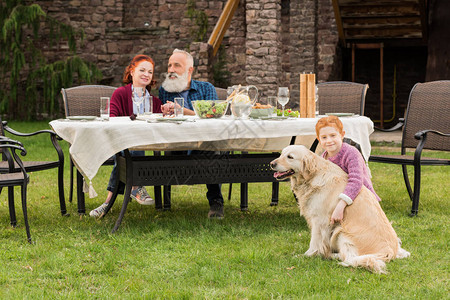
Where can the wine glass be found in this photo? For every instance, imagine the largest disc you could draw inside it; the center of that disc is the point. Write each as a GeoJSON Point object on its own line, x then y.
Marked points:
{"type": "Point", "coordinates": [283, 98]}
{"type": "Point", "coordinates": [138, 98]}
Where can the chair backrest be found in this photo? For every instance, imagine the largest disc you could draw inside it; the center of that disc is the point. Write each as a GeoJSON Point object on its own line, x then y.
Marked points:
{"type": "Point", "coordinates": [221, 93]}
{"type": "Point", "coordinates": [84, 100]}
{"type": "Point", "coordinates": [11, 154]}
{"type": "Point", "coordinates": [428, 108]}
{"type": "Point", "coordinates": [342, 97]}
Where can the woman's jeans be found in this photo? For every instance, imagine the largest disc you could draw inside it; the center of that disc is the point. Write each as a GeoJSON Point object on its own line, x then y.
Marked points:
{"type": "Point", "coordinates": [113, 178]}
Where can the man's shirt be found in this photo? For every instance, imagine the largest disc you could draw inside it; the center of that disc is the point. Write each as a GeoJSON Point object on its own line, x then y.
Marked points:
{"type": "Point", "coordinates": [200, 90]}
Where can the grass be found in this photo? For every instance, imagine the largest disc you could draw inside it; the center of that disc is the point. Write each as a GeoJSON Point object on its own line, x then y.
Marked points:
{"type": "Point", "coordinates": [179, 254]}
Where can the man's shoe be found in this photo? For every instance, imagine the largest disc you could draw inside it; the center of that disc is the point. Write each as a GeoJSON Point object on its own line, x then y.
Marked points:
{"type": "Point", "coordinates": [99, 211]}
{"type": "Point", "coordinates": [216, 211]}
{"type": "Point", "coordinates": [141, 196]}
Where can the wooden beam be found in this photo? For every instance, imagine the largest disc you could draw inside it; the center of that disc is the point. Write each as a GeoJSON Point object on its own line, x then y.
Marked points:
{"type": "Point", "coordinates": [381, 86]}
{"type": "Point", "coordinates": [222, 25]}
{"type": "Point", "coordinates": [337, 15]}
{"type": "Point", "coordinates": [424, 19]}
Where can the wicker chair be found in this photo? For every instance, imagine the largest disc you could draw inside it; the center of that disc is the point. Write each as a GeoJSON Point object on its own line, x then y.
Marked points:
{"type": "Point", "coordinates": [34, 166]}
{"type": "Point", "coordinates": [426, 126]}
{"type": "Point", "coordinates": [83, 100]}
{"type": "Point", "coordinates": [12, 178]}
{"type": "Point", "coordinates": [221, 93]}
{"type": "Point", "coordinates": [342, 97]}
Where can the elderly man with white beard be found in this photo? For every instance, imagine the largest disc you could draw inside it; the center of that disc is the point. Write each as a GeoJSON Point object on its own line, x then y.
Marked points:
{"type": "Point", "coordinates": [179, 83]}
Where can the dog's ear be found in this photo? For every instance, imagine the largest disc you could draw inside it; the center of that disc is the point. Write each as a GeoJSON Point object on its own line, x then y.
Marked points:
{"type": "Point", "coordinates": [309, 166]}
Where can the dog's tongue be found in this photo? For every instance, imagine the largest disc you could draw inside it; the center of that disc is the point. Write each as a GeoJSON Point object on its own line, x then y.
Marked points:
{"type": "Point", "coordinates": [278, 174]}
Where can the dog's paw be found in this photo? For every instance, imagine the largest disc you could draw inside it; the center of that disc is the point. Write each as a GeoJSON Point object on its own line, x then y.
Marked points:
{"type": "Point", "coordinates": [402, 253]}
{"type": "Point", "coordinates": [344, 264]}
{"type": "Point", "coordinates": [310, 252]}
{"type": "Point", "coordinates": [335, 256]}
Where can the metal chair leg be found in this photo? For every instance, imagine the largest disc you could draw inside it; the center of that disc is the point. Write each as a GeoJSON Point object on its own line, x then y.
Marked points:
{"type": "Point", "coordinates": [25, 214]}
{"type": "Point", "coordinates": [407, 183]}
{"type": "Point", "coordinates": [71, 180]}
{"type": "Point", "coordinates": [62, 199]}
{"type": "Point", "coordinates": [416, 194]}
{"type": "Point", "coordinates": [12, 208]}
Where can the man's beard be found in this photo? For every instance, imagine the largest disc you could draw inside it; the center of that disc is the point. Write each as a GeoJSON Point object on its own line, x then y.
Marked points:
{"type": "Point", "coordinates": [177, 85]}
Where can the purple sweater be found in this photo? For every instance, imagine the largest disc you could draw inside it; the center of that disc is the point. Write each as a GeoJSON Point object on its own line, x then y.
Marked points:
{"type": "Point", "coordinates": [352, 162]}
{"type": "Point", "coordinates": [122, 104]}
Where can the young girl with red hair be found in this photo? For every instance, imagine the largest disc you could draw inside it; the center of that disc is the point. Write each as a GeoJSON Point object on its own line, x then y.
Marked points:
{"type": "Point", "coordinates": [330, 133]}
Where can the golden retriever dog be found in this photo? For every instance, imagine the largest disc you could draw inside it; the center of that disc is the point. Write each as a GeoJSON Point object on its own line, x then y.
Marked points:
{"type": "Point", "coordinates": [364, 238]}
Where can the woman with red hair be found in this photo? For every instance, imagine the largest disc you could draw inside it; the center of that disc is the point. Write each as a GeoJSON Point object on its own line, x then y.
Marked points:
{"type": "Point", "coordinates": [138, 74]}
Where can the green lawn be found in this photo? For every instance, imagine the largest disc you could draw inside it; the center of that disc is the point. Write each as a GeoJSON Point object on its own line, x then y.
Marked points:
{"type": "Point", "coordinates": [180, 254]}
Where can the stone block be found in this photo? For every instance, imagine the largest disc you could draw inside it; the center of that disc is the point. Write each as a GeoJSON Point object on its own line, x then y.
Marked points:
{"type": "Point", "coordinates": [261, 51]}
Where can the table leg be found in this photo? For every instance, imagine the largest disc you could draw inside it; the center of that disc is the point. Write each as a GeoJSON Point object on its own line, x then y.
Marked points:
{"type": "Point", "coordinates": [275, 192]}
{"type": "Point", "coordinates": [126, 199]}
{"type": "Point", "coordinates": [167, 196]}
{"type": "Point", "coordinates": [129, 186]}
{"type": "Point", "coordinates": [80, 195]}
{"type": "Point", "coordinates": [158, 199]}
{"type": "Point", "coordinates": [244, 196]}
{"type": "Point", "coordinates": [115, 193]}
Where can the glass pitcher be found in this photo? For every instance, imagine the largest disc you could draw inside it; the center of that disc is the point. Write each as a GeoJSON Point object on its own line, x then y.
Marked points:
{"type": "Point", "coordinates": [243, 94]}
{"type": "Point", "coordinates": [242, 99]}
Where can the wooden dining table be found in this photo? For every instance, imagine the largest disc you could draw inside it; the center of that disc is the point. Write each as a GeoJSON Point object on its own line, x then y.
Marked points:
{"type": "Point", "coordinates": [93, 141]}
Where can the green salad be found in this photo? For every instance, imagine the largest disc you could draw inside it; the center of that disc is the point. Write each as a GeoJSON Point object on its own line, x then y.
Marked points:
{"type": "Point", "coordinates": [288, 113]}
{"type": "Point", "coordinates": [207, 109]}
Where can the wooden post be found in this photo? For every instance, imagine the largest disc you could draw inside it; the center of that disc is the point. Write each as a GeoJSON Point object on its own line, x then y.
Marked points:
{"type": "Point", "coordinates": [311, 96]}
{"type": "Point", "coordinates": [303, 94]}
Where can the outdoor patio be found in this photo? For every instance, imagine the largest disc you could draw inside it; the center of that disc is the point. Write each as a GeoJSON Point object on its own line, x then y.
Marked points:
{"type": "Point", "coordinates": [171, 250]}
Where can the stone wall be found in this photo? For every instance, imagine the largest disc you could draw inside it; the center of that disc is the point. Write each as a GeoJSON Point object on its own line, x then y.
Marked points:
{"type": "Point", "coordinates": [269, 42]}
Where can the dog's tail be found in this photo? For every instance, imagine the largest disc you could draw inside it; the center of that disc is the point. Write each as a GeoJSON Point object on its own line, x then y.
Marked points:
{"type": "Point", "coordinates": [372, 262]}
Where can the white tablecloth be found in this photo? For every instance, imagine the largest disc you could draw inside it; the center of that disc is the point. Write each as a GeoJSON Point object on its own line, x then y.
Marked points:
{"type": "Point", "coordinates": [93, 142]}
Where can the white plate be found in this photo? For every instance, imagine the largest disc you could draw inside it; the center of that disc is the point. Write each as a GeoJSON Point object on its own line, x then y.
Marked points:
{"type": "Point", "coordinates": [179, 119]}
{"type": "Point", "coordinates": [79, 118]}
{"type": "Point", "coordinates": [274, 118]}
{"type": "Point", "coordinates": [340, 114]}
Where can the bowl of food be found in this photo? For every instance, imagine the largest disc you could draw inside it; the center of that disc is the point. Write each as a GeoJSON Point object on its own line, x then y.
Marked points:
{"type": "Point", "coordinates": [262, 110]}
{"type": "Point", "coordinates": [210, 109]}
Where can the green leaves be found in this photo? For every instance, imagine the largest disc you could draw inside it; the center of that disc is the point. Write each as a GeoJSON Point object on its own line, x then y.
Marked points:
{"type": "Point", "coordinates": [29, 80]}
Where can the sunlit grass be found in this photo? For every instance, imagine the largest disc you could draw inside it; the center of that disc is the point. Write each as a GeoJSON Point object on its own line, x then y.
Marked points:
{"type": "Point", "coordinates": [181, 254]}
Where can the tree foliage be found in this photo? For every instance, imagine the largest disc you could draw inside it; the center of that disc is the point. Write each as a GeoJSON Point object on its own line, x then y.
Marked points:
{"type": "Point", "coordinates": [29, 80]}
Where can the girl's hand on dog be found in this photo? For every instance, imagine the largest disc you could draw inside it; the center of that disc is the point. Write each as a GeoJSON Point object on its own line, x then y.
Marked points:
{"type": "Point", "coordinates": [338, 213]}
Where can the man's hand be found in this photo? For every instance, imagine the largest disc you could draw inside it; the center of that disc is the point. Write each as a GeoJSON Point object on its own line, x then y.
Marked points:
{"type": "Point", "coordinates": [167, 108]}
{"type": "Point", "coordinates": [338, 213]}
